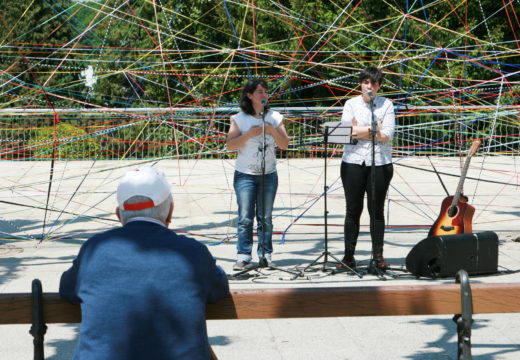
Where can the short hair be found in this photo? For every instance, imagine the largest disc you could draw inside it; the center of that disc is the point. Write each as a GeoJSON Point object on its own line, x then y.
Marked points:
{"type": "Point", "coordinates": [371, 73]}
{"type": "Point", "coordinates": [245, 103]}
{"type": "Point", "coordinates": [159, 212]}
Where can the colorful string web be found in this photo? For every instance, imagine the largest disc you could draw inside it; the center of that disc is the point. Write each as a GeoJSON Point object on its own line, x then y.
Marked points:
{"type": "Point", "coordinates": [158, 79]}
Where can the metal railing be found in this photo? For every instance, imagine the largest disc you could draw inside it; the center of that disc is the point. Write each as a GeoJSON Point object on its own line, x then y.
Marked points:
{"type": "Point", "coordinates": [87, 134]}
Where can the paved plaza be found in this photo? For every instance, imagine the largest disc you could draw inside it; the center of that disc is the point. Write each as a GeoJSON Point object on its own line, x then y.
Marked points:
{"type": "Point", "coordinates": [82, 202]}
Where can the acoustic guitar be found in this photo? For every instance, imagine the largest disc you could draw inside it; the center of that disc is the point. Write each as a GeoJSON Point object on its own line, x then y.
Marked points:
{"type": "Point", "coordinates": [456, 214]}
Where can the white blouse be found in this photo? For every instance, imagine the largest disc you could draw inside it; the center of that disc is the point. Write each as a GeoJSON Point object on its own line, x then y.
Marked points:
{"type": "Point", "coordinates": [249, 159]}
{"type": "Point", "coordinates": [362, 151]}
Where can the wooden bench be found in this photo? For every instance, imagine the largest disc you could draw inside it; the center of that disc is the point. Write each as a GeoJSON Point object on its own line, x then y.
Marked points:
{"type": "Point", "coordinates": [446, 299]}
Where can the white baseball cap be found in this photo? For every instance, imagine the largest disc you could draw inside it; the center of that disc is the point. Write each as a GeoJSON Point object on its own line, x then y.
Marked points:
{"type": "Point", "coordinates": [143, 181]}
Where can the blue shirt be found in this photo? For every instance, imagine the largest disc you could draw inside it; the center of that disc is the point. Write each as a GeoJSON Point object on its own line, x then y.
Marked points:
{"type": "Point", "coordinates": [143, 291]}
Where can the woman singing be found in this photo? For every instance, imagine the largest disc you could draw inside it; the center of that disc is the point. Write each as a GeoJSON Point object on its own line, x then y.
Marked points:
{"type": "Point", "coordinates": [356, 165]}
{"type": "Point", "coordinates": [246, 135]}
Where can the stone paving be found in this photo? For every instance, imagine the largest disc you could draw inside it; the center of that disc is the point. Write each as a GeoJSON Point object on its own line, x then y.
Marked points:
{"type": "Point", "coordinates": [83, 200]}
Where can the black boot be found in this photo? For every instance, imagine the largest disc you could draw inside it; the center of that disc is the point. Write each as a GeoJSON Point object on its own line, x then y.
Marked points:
{"type": "Point", "coordinates": [348, 260]}
{"type": "Point", "coordinates": [379, 261]}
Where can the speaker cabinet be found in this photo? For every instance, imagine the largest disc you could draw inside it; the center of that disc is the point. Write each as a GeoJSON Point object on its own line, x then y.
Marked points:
{"type": "Point", "coordinates": [443, 256]}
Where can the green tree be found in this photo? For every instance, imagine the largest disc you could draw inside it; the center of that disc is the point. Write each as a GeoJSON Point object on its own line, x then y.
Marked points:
{"type": "Point", "coordinates": [69, 141]}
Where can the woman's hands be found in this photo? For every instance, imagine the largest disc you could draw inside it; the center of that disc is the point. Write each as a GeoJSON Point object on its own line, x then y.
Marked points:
{"type": "Point", "coordinates": [236, 140]}
{"type": "Point", "coordinates": [365, 132]}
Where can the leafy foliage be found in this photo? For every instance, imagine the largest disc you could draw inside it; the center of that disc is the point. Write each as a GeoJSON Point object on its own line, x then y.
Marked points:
{"type": "Point", "coordinates": [197, 54]}
{"type": "Point", "coordinates": [65, 140]}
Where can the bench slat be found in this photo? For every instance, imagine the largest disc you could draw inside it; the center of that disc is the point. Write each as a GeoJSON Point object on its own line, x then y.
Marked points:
{"type": "Point", "coordinates": [307, 302]}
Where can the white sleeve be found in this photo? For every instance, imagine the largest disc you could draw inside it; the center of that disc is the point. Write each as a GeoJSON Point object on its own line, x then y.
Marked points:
{"type": "Point", "coordinates": [277, 118]}
{"type": "Point", "coordinates": [389, 120]}
{"type": "Point", "coordinates": [347, 115]}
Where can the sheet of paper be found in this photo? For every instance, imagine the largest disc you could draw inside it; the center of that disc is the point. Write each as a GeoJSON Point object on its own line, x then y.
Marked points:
{"type": "Point", "coordinates": [338, 132]}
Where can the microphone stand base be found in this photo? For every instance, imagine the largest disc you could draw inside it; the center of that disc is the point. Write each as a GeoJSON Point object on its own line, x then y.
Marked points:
{"type": "Point", "coordinates": [264, 264]}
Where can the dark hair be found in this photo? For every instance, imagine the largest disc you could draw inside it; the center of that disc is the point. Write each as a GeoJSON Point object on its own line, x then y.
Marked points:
{"type": "Point", "coordinates": [249, 88]}
{"type": "Point", "coordinates": [371, 73]}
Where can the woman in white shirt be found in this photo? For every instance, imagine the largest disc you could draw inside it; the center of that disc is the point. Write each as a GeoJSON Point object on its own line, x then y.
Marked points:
{"type": "Point", "coordinates": [245, 135]}
{"type": "Point", "coordinates": [356, 164]}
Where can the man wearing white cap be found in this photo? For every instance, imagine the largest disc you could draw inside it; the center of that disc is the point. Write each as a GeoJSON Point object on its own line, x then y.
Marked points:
{"type": "Point", "coordinates": [143, 289]}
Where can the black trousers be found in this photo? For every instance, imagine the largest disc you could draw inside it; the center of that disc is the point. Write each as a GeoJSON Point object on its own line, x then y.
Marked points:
{"type": "Point", "coordinates": [356, 182]}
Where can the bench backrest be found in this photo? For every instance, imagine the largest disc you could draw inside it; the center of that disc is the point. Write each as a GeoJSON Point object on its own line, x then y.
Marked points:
{"type": "Point", "coordinates": [307, 302]}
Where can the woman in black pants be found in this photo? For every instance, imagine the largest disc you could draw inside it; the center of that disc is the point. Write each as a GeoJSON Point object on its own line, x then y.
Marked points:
{"type": "Point", "coordinates": [356, 166]}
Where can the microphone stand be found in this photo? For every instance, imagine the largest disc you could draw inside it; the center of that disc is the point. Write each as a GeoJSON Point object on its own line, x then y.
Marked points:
{"type": "Point", "coordinates": [262, 262]}
{"type": "Point", "coordinates": [372, 266]}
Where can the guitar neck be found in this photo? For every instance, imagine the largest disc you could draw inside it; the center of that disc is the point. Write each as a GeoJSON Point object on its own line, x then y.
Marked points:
{"type": "Point", "coordinates": [458, 192]}
{"type": "Point", "coordinates": [473, 150]}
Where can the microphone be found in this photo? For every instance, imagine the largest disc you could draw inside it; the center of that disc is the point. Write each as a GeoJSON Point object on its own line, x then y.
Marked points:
{"type": "Point", "coordinates": [371, 95]}
{"type": "Point", "coordinates": [264, 102]}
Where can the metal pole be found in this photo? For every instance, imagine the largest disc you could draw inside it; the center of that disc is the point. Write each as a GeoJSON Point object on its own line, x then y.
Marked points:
{"type": "Point", "coordinates": [38, 328]}
{"type": "Point", "coordinates": [464, 320]}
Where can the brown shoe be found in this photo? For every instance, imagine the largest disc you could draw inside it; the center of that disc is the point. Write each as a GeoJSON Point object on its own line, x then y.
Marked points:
{"type": "Point", "coordinates": [348, 260]}
{"type": "Point", "coordinates": [380, 261]}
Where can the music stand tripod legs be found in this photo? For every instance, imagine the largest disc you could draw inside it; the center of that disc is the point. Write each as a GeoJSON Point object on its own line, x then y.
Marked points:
{"type": "Point", "coordinates": [340, 135]}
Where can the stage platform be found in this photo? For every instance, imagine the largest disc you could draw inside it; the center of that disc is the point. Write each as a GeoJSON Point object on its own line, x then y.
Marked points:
{"type": "Point", "coordinates": [82, 201]}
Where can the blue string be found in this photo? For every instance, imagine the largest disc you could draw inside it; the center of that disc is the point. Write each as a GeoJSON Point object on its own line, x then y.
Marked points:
{"type": "Point", "coordinates": [224, 2]}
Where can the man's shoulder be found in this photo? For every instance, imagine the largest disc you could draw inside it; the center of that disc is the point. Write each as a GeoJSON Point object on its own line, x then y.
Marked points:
{"type": "Point", "coordinates": [104, 234]}
{"type": "Point", "coordinates": [189, 241]}
{"type": "Point", "coordinates": [133, 229]}
{"type": "Point", "coordinates": [173, 237]}
{"type": "Point", "coordinates": [354, 101]}
{"type": "Point", "coordinates": [385, 102]}
{"type": "Point", "coordinates": [125, 231]}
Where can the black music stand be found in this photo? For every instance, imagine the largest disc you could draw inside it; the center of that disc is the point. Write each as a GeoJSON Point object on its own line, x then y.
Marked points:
{"type": "Point", "coordinates": [335, 133]}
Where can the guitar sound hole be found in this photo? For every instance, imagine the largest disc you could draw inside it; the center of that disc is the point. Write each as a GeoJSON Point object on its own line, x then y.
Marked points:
{"type": "Point", "coordinates": [452, 211]}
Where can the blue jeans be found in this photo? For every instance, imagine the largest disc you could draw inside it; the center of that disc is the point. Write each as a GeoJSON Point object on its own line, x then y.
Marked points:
{"type": "Point", "coordinates": [249, 200]}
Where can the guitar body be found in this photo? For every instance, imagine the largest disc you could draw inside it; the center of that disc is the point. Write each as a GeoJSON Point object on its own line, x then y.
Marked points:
{"type": "Point", "coordinates": [459, 223]}
{"type": "Point", "coordinates": [456, 214]}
